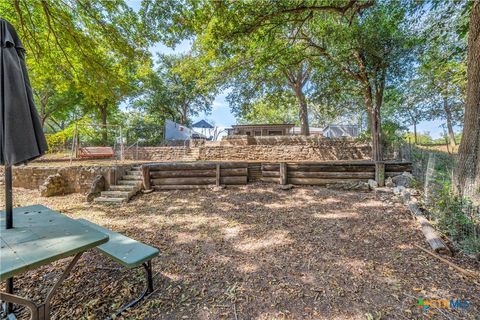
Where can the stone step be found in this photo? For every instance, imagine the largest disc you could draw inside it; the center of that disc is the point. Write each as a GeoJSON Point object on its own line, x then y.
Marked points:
{"type": "Point", "coordinates": [132, 177]}
{"type": "Point", "coordinates": [109, 200]}
{"type": "Point", "coordinates": [126, 187]}
{"type": "Point", "coordinates": [129, 182]}
{"type": "Point", "coordinates": [117, 194]}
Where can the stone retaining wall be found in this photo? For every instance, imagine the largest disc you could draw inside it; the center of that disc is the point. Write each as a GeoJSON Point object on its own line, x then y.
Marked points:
{"type": "Point", "coordinates": [77, 178]}
{"type": "Point", "coordinates": [286, 153]}
{"type": "Point", "coordinates": [157, 153]}
{"type": "Point", "coordinates": [292, 148]}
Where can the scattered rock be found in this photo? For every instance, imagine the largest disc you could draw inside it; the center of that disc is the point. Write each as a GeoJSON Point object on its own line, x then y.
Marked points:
{"type": "Point", "coordinates": [147, 191]}
{"type": "Point", "coordinates": [372, 184]}
{"type": "Point", "coordinates": [399, 189]}
{"type": "Point", "coordinates": [98, 185]}
{"type": "Point", "coordinates": [54, 185]}
{"type": "Point", "coordinates": [218, 188]}
{"type": "Point", "coordinates": [349, 186]}
{"type": "Point", "coordinates": [286, 187]}
{"type": "Point", "coordinates": [389, 183]}
{"type": "Point", "coordinates": [404, 180]}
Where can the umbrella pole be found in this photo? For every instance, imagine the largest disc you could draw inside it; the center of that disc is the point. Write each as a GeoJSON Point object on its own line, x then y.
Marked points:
{"type": "Point", "coordinates": [8, 197]}
{"type": "Point", "coordinates": [9, 222]}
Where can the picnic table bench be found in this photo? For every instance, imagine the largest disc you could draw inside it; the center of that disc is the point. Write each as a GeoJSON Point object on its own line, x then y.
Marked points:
{"type": "Point", "coordinates": [96, 152]}
{"type": "Point", "coordinates": [41, 236]}
{"type": "Point", "coordinates": [129, 253]}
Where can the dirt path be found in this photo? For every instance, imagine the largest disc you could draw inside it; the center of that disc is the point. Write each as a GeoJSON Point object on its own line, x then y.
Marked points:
{"type": "Point", "coordinates": [260, 253]}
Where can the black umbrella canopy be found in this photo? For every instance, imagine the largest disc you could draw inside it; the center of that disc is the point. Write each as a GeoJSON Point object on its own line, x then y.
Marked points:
{"type": "Point", "coordinates": [21, 134]}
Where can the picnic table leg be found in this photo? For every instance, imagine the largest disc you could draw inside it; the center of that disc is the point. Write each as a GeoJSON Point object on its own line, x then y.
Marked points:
{"type": "Point", "coordinates": [147, 266]}
{"type": "Point", "coordinates": [46, 305]}
{"type": "Point", "coordinates": [42, 311]}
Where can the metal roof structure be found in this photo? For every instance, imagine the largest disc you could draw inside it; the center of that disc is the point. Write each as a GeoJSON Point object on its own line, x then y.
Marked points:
{"type": "Point", "coordinates": [203, 124]}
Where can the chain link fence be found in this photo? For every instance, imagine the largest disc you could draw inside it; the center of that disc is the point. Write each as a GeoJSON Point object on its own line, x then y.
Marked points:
{"type": "Point", "coordinates": [457, 218]}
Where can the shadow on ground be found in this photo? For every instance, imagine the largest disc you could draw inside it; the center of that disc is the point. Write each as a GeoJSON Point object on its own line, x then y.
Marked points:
{"type": "Point", "coordinates": [257, 252]}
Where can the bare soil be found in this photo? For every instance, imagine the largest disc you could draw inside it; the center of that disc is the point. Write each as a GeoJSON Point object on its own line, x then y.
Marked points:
{"type": "Point", "coordinates": [257, 252]}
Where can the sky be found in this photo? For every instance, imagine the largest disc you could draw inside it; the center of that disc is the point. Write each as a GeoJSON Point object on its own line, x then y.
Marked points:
{"type": "Point", "coordinates": [221, 115]}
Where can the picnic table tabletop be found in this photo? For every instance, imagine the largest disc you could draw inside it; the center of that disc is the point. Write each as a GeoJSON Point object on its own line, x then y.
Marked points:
{"type": "Point", "coordinates": [41, 236]}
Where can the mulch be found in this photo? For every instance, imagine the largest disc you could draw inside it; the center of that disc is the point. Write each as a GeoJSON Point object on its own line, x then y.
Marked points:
{"type": "Point", "coordinates": [257, 252]}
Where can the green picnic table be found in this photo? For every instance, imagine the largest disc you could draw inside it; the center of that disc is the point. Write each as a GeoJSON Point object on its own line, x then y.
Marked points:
{"type": "Point", "coordinates": [41, 236]}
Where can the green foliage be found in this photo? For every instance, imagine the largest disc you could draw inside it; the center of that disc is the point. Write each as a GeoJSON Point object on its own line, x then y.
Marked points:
{"type": "Point", "coordinates": [272, 108]}
{"type": "Point", "coordinates": [180, 89]}
{"type": "Point", "coordinates": [451, 215]}
{"type": "Point", "coordinates": [84, 57]}
{"type": "Point", "coordinates": [143, 128]}
{"type": "Point", "coordinates": [422, 138]}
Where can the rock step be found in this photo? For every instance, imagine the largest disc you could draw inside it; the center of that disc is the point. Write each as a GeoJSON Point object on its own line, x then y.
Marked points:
{"type": "Point", "coordinates": [126, 187]}
{"type": "Point", "coordinates": [129, 182]}
{"type": "Point", "coordinates": [131, 177]}
{"type": "Point", "coordinates": [109, 200]}
{"type": "Point", "coordinates": [117, 194]}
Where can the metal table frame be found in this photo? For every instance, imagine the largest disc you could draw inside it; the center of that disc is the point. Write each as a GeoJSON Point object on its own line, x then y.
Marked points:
{"type": "Point", "coordinates": [34, 242]}
{"type": "Point", "coordinates": [41, 311]}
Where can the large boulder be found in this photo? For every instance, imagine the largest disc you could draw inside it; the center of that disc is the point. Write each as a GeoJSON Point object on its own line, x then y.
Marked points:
{"type": "Point", "coordinates": [98, 185]}
{"type": "Point", "coordinates": [403, 180]}
{"type": "Point", "coordinates": [54, 185]}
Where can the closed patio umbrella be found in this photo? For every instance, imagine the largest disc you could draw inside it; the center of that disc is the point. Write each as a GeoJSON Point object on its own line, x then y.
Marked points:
{"type": "Point", "coordinates": [21, 134]}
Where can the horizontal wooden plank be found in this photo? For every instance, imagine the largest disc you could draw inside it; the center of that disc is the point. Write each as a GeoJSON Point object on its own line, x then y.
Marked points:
{"type": "Point", "coordinates": [198, 180]}
{"type": "Point", "coordinates": [270, 174]}
{"type": "Point", "coordinates": [315, 181]}
{"type": "Point", "coordinates": [334, 175]}
{"type": "Point", "coordinates": [183, 187]}
{"type": "Point", "coordinates": [164, 166]}
{"type": "Point", "coordinates": [270, 167]}
{"type": "Point", "coordinates": [331, 168]}
{"type": "Point", "coordinates": [198, 173]}
{"type": "Point", "coordinates": [270, 179]}
{"type": "Point", "coordinates": [233, 180]}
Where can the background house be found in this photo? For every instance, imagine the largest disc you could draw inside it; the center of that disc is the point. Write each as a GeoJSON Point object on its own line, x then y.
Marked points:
{"type": "Point", "coordinates": [260, 129]}
{"type": "Point", "coordinates": [341, 130]}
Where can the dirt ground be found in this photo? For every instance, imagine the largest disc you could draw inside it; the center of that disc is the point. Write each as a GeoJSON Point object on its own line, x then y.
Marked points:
{"type": "Point", "coordinates": [257, 252]}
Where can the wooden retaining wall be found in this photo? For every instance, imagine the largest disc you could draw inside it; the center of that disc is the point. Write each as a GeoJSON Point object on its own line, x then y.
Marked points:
{"type": "Point", "coordinates": [193, 175]}
{"type": "Point", "coordinates": [196, 175]}
{"type": "Point", "coordinates": [326, 173]}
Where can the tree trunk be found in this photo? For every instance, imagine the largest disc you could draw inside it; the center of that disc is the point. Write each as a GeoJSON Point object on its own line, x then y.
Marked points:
{"type": "Point", "coordinates": [104, 114]}
{"type": "Point", "coordinates": [415, 137]}
{"type": "Point", "coordinates": [303, 112]}
{"type": "Point", "coordinates": [467, 171]}
{"type": "Point", "coordinates": [448, 114]}
{"type": "Point", "coordinates": [375, 122]}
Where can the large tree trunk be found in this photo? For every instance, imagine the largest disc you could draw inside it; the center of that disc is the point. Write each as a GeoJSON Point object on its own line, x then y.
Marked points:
{"type": "Point", "coordinates": [103, 115]}
{"type": "Point", "coordinates": [448, 115]}
{"type": "Point", "coordinates": [303, 112]}
{"type": "Point", "coordinates": [375, 124]}
{"type": "Point", "coordinates": [467, 171]}
{"type": "Point", "coordinates": [297, 79]}
{"type": "Point", "coordinates": [183, 114]}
